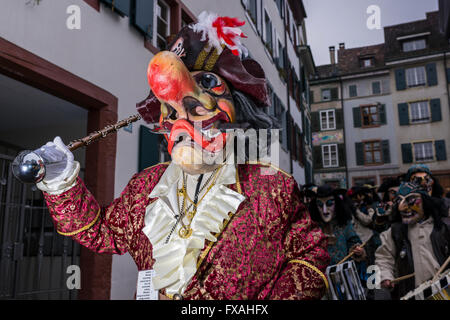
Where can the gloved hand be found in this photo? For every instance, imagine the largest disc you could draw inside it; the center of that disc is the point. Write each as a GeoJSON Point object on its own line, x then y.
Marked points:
{"type": "Point", "coordinates": [59, 161]}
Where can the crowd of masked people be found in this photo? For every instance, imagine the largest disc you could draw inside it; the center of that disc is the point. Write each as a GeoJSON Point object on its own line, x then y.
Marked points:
{"type": "Point", "coordinates": [401, 226]}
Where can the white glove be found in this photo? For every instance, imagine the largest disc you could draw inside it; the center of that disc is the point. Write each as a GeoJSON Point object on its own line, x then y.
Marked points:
{"type": "Point", "coordinates": [60, 170]}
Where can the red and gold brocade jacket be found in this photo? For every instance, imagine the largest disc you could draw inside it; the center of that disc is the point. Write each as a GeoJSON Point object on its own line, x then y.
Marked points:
{"type": "Point", "coordinates": [269, 249]}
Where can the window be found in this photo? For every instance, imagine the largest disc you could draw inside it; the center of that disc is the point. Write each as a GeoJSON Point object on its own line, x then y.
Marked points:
{"type": "Point", "coordinates": [162, 24]}
{"type": "Point", "coordinates": [419, 111]}
{"type": "Point", "coordinates": [250, 6]}
{"type": "Point", "coordinates": [412, 45]}
{"type": "Point", "coordinates": [376, 87]}
{"type": "Point", "coordinates": [327, 120]}
{"type": "Point", "coordinates": [352, 90]}
{"type": "Point", "coordinates": [370, 115]}
{"type": "Point", "coordinates": [366, 62]}
{"type": "Point", "coordinates": [415, 76]}
{"type": "Point", "coordinates": [268, 32]}
{"type": "Point", "coordinates": [372, 152]}
{"type": "Point", "coordinates": [326, 94]}
{"type": "Point", "coordinates": [423, 151]}
{"type": "Point", "coordinates": [330, 155]}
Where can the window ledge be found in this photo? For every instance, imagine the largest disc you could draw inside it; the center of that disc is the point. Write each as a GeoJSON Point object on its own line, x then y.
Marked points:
{"type": "Point", "coordinates": [148, 45]}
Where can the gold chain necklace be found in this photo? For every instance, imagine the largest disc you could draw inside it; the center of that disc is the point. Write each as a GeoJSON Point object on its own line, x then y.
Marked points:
{"type": "Point", "coordinates": [186, 230]}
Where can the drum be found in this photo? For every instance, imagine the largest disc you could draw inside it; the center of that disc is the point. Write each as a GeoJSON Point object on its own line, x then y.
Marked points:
{"type": "Point", "coordinates": [437, 290]}
{"type": "Point", "coordinates": [344, 282]}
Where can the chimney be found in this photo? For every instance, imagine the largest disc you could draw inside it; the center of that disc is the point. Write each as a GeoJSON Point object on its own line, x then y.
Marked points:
{"type": "Point", "coordinates": [342, 45]}
{"type": "Point", "coordinates": [332, 55]}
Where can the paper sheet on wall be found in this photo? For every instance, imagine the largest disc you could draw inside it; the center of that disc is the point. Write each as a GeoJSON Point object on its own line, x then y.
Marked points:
{"type": "Point", "coordinates": [145, 290]}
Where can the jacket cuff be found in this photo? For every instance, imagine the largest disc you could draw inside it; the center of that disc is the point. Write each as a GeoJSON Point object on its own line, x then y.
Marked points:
{"type": "Point", "coordinates": [61, 186]}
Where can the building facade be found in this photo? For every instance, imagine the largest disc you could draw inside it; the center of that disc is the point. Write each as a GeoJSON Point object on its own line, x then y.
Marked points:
{"type": "Point", "coordinates": [416, 54]}
{"type": "Point", "coordinates": [368, 115]}
{"type": "Point", "coordinates": [395, 102]}
{"type": "Point", "coordinates": [327, 127]}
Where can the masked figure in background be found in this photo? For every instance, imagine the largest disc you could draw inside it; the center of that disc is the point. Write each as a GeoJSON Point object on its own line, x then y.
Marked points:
{"type": "Point", "coordinates": [421, 174]}
{"type": "Point", "coordinates": [383, 209]}
{"type": "Point", "coordinates": [309, 192]}
{"type": "Point", "coordinates": [333, 215]}
{"type": "Point", "coordinates": [418, 241]}
{"type": "Point", "coordinates": [365, 201]}
{"type": "Point", "coordinates": [208, 227]}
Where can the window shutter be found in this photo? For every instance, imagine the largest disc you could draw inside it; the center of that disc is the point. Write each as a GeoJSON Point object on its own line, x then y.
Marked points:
{"type": "Point", "coordinates": [148, 148]}
{"type": "Point", "coordinates": [431, 74]}
{"type": "Point", "coordinates": [386, 151]}
{"type": "Point", "coordinates": [441, 153]}
{"type": "Point", "coordinates": [400, 79]}
{"type": "Point", "coordinates": [315, 121]}
{"type": "Point", "coordinates": [352, 91]}
{"type": "Point", "coordinates": [339, 118]}
{"type": "Point", "coordinates": [357, 117]}
{"type": "Point", "coordinates": [448, 75]}
{"type": "Point", "coordinates": [382, 113]}
{"type": "Point", "coordinates": [143, 17]}
{"type": "Point", "coordinates": [284, 134]}
{"type": "Point", "coordinates": [359, 151]}
{"type": "Point", "coordinates": [403, 114]}
{"type": "Point", "coordinates": [341, 155]}
{"type": "Point", "coordinates": [317, 157]}
{"type": "Point", "coordinates": [435, 107]}
{"type": "Point", "coordinates": [334, 93]}
{"type": "Point", "coordinates": [407, 153]}
{"type": "Point", "coordinates": [121, 6]}
{"type": "Point", "coordinates": [311, 96]}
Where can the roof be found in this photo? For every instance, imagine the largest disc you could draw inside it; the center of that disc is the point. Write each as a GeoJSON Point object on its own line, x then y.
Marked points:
{"type": "Point", "coordinates": [349, 60]}
{"type": "Point", "coordinates": [436, 41]}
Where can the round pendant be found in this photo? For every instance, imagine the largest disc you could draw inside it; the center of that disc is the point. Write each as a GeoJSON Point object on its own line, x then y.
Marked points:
{"type": "Point", "coordinates": [185, 232]}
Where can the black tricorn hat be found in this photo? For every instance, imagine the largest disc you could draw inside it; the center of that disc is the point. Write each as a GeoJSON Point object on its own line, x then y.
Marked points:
{"type": "Point", "coordinates": [324, 191]}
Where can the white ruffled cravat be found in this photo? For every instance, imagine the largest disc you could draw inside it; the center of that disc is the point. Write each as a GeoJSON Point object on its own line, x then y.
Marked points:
{"type": "Point", "coordinates": [176, 260]}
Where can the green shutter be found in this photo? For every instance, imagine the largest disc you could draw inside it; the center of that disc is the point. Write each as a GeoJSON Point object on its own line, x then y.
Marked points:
{"type": "Point", "coordinates": [121, 6]}
{"type": "Point", "coordinates": [317, 157]}
{"type": "Point", "coordinates": [441, 153]}
{"type": "Point", "coordinates": [435, 107]}
{"type": "Point", "coordinates": [382, 113]}
{"type": "Point", "coordinates": [407, 155]}
{"type": "Point", "coordinates": [341, 155]}
{"type": "Point", "coordinates": [357, 117]}
{"type": "Point", "coordinates": [143, 17]}
{"type": "Point", "coordinates": [315, 121]}
{"type": "Point", "coordinates": [359, 151]}
{"type": "Point", "coordinates": [352, 90]}
{"type": "Point", "coordinates": [431, 74]}
{"type": "Point", "coordinates": [334, 93]}
{"type": "Point", "coordinates": [284, 134]}
{"type": "Point", "coordinates": [400, 79]}
{"type": "Point", "coordinates": [311, 96]}
{"type": "Point", "coordinates": [386, 152]}
{"type": "Point", "coordinates": [403, 114]}
{"type": "Point", "coordinates": [148, 148]}
{"type": "Point", "coordinates": [339, 116]}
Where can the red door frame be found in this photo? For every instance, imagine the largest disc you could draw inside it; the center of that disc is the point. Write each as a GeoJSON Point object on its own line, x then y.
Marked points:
{"type": "Point", "coordinates": [28, 68]}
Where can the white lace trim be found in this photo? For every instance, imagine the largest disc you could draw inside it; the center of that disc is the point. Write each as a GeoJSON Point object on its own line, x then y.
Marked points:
{"type": "Point", "coordinates": [176, 261]}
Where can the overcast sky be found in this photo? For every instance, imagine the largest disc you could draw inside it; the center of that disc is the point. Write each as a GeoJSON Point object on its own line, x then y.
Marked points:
{"type": "Point", "coordinates": [330, 22]}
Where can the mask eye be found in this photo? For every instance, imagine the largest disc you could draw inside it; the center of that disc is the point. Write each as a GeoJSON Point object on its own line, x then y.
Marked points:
{"type": "Point", "coordinates": [330, 203]}
{"type": "Point", "coordinates": [209, 81]}
{"type": "Point", "coordinates": [319, 203]}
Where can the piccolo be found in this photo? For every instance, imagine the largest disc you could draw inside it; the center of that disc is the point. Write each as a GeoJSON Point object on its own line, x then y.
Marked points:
{"type": "Point", "coordinates": [31, 166]}
{"type": "Point", "coordinates": [94, 136]}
